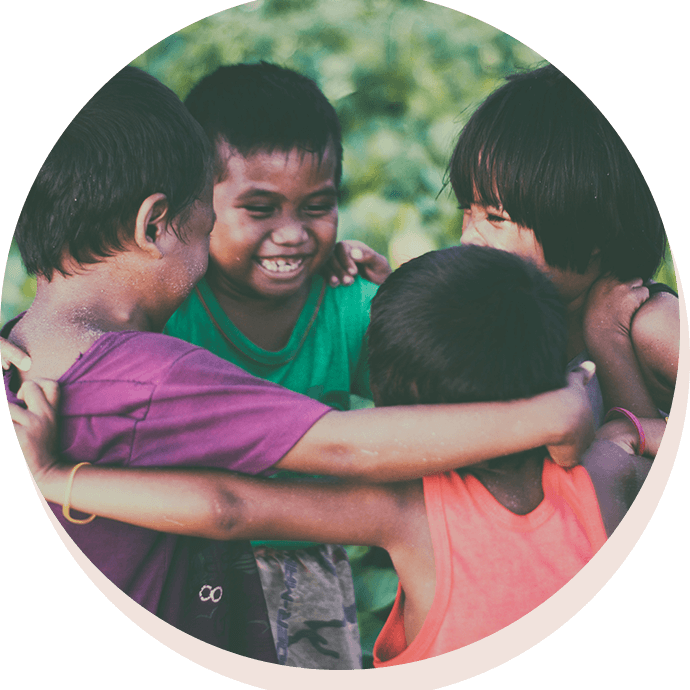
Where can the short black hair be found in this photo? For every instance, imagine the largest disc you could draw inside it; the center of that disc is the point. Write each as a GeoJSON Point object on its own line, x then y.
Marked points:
{"type": "Point", "coordinates": [262, 106]}
{"type": "Point", "coordinates": [541, 150]}
{"type": "Point", "coordinates": [466, 324]}
{"type": "Point", "coordinates": [133, 138]}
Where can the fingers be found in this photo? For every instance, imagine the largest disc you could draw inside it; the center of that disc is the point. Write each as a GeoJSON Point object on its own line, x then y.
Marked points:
{"type": "Point", "coordinates": [36, 399]}
{"type": "Point", "coordinates": [19, 415]}
{"type": "Point", "coordinates": [583, 374]}
{"type": "Point", "coordinates": [11, 354]}
{"type": "Point", "coordinates": [589, 369]}
{"type": "Point", "coordinates": [343, 267]}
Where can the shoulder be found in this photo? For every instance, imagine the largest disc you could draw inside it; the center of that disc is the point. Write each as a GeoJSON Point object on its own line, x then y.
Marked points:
{"type": "Point", "coordinates": [659, 312]}
{"type": "Point", "coordinates": [142, 357]}
{"type": "Point", "coordinates": [655, 333]}
{"type": "Point", "coordinates": [349, 306]}
{"type": "Point", "coordinates": [616, 476]}
{"type": "Point", "coordinates": [357, 295]}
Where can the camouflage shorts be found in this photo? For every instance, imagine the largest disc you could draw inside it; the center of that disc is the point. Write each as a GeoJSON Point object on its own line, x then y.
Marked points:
{"type": "Point", "coordinates": [311, 606]}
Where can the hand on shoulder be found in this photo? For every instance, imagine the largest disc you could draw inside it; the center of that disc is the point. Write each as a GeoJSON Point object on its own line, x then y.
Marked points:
{"type": "Point", "coordinates": [351, 258]}
{"type": "Point", "coordinates": [609, 311]}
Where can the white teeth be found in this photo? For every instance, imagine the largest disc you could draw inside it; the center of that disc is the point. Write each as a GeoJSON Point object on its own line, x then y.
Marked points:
{"type": "Point", "coordinates": [281, 265]}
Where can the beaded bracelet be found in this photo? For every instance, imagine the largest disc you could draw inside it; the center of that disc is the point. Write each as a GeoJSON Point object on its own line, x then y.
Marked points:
{"type": "Point", "coordinates": [626, 413]}
{"type": "Point", "coordinates": [68, 491]}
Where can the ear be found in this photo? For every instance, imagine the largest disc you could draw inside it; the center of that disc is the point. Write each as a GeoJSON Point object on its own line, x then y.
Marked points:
{"type": "Point", "coordinates": [151, 224]}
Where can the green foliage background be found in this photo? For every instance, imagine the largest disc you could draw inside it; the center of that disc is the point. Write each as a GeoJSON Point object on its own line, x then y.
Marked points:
{"type": "Point", "coordinates": [404, 76]}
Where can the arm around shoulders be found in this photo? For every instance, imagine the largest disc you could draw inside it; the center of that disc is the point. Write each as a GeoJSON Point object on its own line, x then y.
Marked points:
{"type": "Point", "coordinates": [252, 508]}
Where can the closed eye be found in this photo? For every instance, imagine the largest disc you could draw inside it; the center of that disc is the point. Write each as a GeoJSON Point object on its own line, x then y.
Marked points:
{"type": "Point", "coordinates": [319, 209]}
{"type": "Point", "coordinates": [260, 210]}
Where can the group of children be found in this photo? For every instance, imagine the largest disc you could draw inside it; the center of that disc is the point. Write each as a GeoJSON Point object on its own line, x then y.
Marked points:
{"type": "Point", "coordinates": [225, 247]}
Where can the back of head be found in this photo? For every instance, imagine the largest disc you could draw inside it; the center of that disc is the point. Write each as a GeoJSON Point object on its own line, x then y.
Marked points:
{"type": "Point", "coordinates": [133, 138]}
{"type": "Point", "coordinates": [465, 324]}
{"type": "Point", "coordinates": [262, 106]}
{"type": "Point", "coordinates": [539, 148]}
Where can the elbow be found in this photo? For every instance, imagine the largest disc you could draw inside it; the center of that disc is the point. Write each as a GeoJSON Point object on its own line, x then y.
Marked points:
{"type": "Point", "coordinates": [224, 518]}
{"type": "Point", "coordinates": [357, 464]}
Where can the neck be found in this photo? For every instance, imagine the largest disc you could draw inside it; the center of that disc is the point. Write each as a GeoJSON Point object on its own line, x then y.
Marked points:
{"type": "Point", "coordinates": [98, 299]}
{"type": "Point", "coordinates": [268, 322]}
{"type": "Point", "coordinates": [243, 299]}
{"type": "Point", "coordinates": [70, 313]}
{"type": "Point", "coordinates": [573, 289]}
{"type": "Point", "coordinates": [514, 481]}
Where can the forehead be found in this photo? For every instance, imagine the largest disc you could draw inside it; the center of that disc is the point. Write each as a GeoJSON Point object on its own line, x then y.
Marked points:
{"type": "Point", "coordinates": [278, 168]}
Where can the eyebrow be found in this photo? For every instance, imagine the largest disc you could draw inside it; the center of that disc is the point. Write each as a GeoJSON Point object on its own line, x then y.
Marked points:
{"type": "Point", "coordinates": [327, 190]}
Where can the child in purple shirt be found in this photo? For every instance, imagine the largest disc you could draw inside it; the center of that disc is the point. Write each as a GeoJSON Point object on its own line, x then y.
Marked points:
{"type": "Point", "coordinates": [116, 227]}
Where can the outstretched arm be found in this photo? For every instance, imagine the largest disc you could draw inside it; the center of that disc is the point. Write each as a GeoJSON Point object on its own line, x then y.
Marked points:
{"type": "Point", "coordinates": [207, 503]}
{"type": "Point", "coordinates": [401, 443]}
{"type": "Point", "coordinates": [392, 444]}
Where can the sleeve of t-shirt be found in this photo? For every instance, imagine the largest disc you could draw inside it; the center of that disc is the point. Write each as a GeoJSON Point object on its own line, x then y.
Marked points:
{"type": "Point", "coordinates": [206, 412]}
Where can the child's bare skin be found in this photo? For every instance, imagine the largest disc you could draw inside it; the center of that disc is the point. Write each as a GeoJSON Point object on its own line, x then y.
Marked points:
{"type": "Point", "coordinates": [221, 505]}
{"type": "Point", "coordinates": [11, 355]}
{"type": "Point", "coordinates": [635, 342]}
{"type": "Point", "coordinates": [351, 258]}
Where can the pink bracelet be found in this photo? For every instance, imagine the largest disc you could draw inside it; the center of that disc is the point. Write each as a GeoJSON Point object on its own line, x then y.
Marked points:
{"type": "Point", "coordinates": [634, 420]}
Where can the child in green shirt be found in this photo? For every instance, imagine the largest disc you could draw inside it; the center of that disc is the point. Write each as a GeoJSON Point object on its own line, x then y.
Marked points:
{"type": "Point", "coordinates": [265, 306]}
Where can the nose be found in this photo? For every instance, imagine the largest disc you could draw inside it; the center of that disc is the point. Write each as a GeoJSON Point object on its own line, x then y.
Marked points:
{"type": "Point", "coordinates": [290, 233]}
{"type": "Point", "coordinates": [469, 230]}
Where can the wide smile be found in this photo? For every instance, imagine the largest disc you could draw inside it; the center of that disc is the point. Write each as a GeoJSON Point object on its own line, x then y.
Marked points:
{"type": "Point", "coordinates": [282, 266]}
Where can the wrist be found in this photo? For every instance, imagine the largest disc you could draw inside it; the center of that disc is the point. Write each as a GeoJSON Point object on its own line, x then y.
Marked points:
{"type": "Point", "coordinates": [609, 341]}
{"type": "Point", "coordinates": [52, 482]}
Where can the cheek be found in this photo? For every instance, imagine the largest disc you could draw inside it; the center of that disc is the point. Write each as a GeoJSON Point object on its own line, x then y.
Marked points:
{"type": "Point", "coordinates": [226, 244]}
{"type": "Point", "coordinates": [327, 234]}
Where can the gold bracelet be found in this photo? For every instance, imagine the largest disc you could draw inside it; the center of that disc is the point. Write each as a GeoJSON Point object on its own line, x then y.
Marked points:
{"type": "Point", "coordinates": [65, 503]}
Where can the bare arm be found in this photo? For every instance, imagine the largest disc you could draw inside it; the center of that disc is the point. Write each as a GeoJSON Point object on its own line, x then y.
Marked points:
{"type": "Point", "coordinates": [384, 444]}
{"type": "Point", "coordinates": [609, 312]}
{"type": "Point", "coordinates": [402, 443]}
{"type": "Point", "coordinates": [207, 503]}
{"type": "Point", "coordinates": [655, 335]}
{"type": "Point", "coordinates": [615, 467]}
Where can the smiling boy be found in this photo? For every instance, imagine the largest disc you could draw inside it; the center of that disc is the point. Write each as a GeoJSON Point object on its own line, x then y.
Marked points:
{"type": "Point", "coordinates": [264, 305]}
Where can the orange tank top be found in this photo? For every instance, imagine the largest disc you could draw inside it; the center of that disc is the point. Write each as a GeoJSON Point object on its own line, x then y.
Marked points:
{"type": "Point", "coordinates": [492, 566]}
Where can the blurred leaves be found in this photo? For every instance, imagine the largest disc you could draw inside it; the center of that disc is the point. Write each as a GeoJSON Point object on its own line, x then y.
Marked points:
{"type": "Point", "coordinates": [376, 585]}
{"type": "Point", "coordinates": [404, 76]}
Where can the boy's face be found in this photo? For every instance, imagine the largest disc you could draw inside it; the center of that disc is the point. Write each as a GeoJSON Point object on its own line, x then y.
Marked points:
{"type": "Point", "coordinates": [277, 217]}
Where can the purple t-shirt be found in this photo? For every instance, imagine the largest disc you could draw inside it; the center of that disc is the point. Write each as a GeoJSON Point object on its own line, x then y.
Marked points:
{"type": "Point", "coordinates": [143, 399]}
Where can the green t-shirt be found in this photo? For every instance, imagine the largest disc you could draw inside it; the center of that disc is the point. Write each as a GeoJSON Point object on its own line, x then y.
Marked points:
{"type": "Point", "coordinates": [325, 358]}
